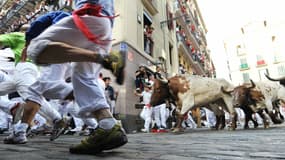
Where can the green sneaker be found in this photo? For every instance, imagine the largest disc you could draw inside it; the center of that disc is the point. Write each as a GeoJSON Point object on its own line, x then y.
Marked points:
{"type": "Point", "coordinates": [101, 140]}
{"type": "Point", "coordinates": [116, 62]}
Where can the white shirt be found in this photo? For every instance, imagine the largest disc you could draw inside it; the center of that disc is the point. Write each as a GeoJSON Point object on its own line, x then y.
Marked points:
{"type": "Point", "coordinates": [146, 97]}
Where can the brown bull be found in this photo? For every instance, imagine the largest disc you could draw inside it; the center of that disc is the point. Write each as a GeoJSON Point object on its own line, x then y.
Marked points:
{"type": "Point", "coordinates": [245, 97]}
{"type": "Point", "coordinates": [189, 92]}
{"type": "Point", "coordinates": [259, 97]}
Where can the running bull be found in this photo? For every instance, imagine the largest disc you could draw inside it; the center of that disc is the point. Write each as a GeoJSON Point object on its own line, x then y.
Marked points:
{"type": "Point", "coordinates": [189, 91]}
{"type": "Point", "coordinates": [270, 92]}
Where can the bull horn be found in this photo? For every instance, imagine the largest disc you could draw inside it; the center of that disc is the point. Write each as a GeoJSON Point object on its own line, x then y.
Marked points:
{"type": "Point", "coordinates": [226, 92]}
{"type": "Point", "coordinates": [252, 84]}
{"type": "Point", "coordinates": [272, 79]}
{"type": "Point", "coordinates": [162, 79]}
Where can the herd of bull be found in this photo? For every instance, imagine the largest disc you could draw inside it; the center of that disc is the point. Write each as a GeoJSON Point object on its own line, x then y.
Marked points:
{"type": "Point", "coordinates": [187, 92]}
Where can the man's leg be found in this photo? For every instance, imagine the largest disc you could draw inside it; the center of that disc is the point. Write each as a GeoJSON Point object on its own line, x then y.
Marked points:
{"type": "Point", "coordinates": [19, 134]}
{"type": "Point", "coordinates": [58, 45]}
{"type": "Point", "coordinates": [108, 135]}
{"type": "Point", "coordinates": [59, 52]}
{"type": "Point", "coordinates": [115, 61]}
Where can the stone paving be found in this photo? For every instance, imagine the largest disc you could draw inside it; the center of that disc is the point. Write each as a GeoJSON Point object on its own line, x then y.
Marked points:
{"type": "Point", "coordinates": [198, 144]}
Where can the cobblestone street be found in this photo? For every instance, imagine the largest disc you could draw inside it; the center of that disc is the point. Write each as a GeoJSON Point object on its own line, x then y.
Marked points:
{"type": "Point", "coordinates": [193, 144]}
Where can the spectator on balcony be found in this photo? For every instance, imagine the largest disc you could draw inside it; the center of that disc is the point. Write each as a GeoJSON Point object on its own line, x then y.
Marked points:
{"type": "Point", "coordinates": [183, 34]}
{"type": "Point", "coordinates": [181, 69]}
{"type": "Point", "coordinates": [148, 41]}
{"type": "Point", "coordinates": [145, 36]}
{"type": "Point", "coordinates": [178, 35]}
{"type": "Point", "coordinates": [192, 28]}
{"type": "Point", "coordinates": [194, 55]}
{"type": "Point", "coordinates": [183, 9]}
{"type": "Point", "coordinates": [188, 43]}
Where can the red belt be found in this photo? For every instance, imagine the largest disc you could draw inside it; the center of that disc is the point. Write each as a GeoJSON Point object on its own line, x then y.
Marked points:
{"type": "Point", "coordinates": [148, 105]}
{"type": "Point", "coordinates": [93, 10]}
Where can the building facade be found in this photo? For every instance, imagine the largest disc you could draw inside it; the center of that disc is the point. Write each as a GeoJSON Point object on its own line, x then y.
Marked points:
{"type": "Point", "coordinates": [166, 33]}
{"type": "Point", "coordinates": [256, 50]}
{"type": "Point", "coordinates": [177, 40]}
{"type": "Point", "coordinates": [191, 32]}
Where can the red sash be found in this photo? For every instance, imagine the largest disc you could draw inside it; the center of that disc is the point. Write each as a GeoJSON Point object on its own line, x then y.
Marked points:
{"type": "Point", "coordinates": [93, 10]}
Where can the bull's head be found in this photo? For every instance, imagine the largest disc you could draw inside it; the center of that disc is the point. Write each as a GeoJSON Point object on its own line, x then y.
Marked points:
{"type": "Point", "coordinates": [241, 94]}
{"type": "Point", "coordinates": [160, 92]}
{"type": "Point", "coordinates": [280, 80]}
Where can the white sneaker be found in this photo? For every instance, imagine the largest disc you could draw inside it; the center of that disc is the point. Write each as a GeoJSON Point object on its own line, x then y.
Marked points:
{"type": "Point", "coordinates": [16, 138]}
{"type": "Point", "coordinates": [144, 130]}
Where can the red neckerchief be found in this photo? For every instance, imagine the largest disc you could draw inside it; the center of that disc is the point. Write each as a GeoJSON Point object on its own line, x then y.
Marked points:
{"type": "Point", "coordinates": [93, 10]}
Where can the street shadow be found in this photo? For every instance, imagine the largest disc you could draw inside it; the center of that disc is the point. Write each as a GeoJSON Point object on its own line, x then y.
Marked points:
{"type": "Point", "coordinates": [208, 130]}
{"type": "Point", "coordinates": [107, 154]}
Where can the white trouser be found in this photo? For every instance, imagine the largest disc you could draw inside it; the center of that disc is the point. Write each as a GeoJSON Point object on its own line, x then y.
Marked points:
{"type": "Point", "coordinates": [112, 106]}
{"type": "Point", "coordinates": [146, 114]}
{"type": "Point", "coordinates": [240, 114]}
{"type": "Point", "coordinates": [4, 120]}
{"type": "Point", "coordinates": [51, 84]}
{"type": "Point", "coordinates": [190, 121]}
{"type": "Point", "coordinates": [49, 112]}
{"type": "Point", "coordinates": [38, 121]}
{"type": "Point", "coordinates": [6, 105]}
{"type": "Point", "coordinates": [25, 74]}
{"type": "Point", "coordinates": [210, 117]}
{"type": "Point", "coordinates": [160, 115]}
{"type": "Point", "coordinates": [73, 109]}
{"type": "Point", "coordinates": [87, 91]}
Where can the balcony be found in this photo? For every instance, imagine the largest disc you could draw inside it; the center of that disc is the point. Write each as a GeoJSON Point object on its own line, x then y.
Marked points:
{"type": "Point", "coordinates": [196, 65]}
{"type": "Point", "coordinates": [278, 58]}
{"type": "Point", "coordinates": [151, 6]}
{"type": "Point", "coordinates": [184, 25]}
{"type": "Point", "coordinates": [244, 67]}
{"type": "Point", "coordinates": [261, 63]}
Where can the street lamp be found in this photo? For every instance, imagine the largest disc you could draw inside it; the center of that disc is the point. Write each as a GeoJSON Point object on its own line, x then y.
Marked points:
{"type": "Point", "coordinates": [172, 19]}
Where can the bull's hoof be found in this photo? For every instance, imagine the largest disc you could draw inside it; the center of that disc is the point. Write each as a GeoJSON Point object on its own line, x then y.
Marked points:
{"type": "Point", "coordinates": [178, 130]}
{"type": "Point", "coordinates": [232, 128]}
{"type": "Point", "coordinates": [278, 121]}
{"type": "Point", "coordinates": [246, 127]}
{"type": "Point", "coordinates": [266, 125]}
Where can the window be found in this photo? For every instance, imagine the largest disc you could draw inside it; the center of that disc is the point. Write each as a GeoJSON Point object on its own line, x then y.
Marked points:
{"type": "Point", "coordinates": [246, 78]}
{"type": "Point", "coordinates": [262, 72]}
{"type": "Point", "coordinates": [281, 70]}
{"type": "Point", "coordinates": [148, 30]}
{"type": "Point", "coordinates": [169, 17]}
{"type": "Point", "coordinates": [170, 53]}
{"type": "Point", "coordinates": [240, 50]}
{"type": "Point", "coordinates": [259, 60]}
{"type": "Point", "coordinates": [278, 57]}
{"type": "Point", "coordinates": [243, 64]}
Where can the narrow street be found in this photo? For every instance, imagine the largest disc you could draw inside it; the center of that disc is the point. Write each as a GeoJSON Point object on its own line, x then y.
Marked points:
{"type": "Point", "coordinates": [195, 144]}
